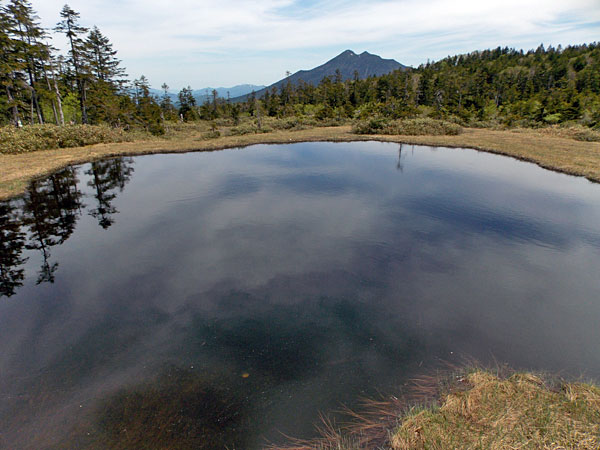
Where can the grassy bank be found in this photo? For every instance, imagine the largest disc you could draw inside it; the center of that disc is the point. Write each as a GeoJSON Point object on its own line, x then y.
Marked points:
{"type": "Point", "coordinates": [477, 410]}
{"type": "Point", "coordinates": [46, 137]}
{"type": "Point", "coordinates": [552, 150]}
{"type": "Point", "coordinates": [518, 412]}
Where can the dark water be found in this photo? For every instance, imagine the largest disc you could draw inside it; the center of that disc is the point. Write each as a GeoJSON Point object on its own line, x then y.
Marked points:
{"type": "Point", "coordinates": [220, 299]}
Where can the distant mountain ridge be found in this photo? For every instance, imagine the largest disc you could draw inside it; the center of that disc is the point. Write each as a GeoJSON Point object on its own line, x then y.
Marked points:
{"type": "Point", "coordinates": [348, 63]}
{"type": "Point", "coordinates": [201, 94]}
{"type": "Point", "coordinates": [235, 91]}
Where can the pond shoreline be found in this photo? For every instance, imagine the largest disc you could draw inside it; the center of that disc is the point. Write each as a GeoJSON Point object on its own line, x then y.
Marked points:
{"type": "Point", "coordinates": [217, 280]}
{"type": "Point", "coordinates": [469, 408]}
{"type": "Point", "coordinates": [554, 153]}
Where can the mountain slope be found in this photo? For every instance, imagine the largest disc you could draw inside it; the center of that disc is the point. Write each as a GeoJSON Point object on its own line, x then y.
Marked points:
{"type": "Point", "coordinates": [365, 64]}
{"type": "Point", "coordinates": [348, 63]}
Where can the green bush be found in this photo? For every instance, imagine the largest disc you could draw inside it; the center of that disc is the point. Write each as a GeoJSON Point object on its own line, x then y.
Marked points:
{"type": "Point", "coordinates": [292, 123]}
{"type": "Point", "coordinates": [244, 128]}
{"type": "Point", "coordinates": [288, 123]}
{"type": "Point", "coordinates": [587, 135]}
{"type": "Point", "coordinates": [374, 125]}
{"type": "Point", "coordinates": [330, 122]}
{"type": "Point", "coordinates": [407, 127]}
{"type": "Point", "coordinates": [324, 112]}
{"type": "Point", "coordinates": [251, 127]}
{"type": "Point", "coordinates": [431, 127]}
{"type": "Point", "coordinates": [553, 118]}
{"type": "Point", "coordinates": [45, 137]}
{"type": "Point", "coordinates": [213, 134]}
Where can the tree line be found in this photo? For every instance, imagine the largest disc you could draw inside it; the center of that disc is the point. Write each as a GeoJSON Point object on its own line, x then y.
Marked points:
{"type": "Point", "coordinates": [90, 86]}
{"type": "Point", "coordinates": [541, 86]}
{"type": "Point", "coordinates": [504, 85]}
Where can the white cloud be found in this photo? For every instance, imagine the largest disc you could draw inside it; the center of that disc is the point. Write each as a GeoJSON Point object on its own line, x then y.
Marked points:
{"type": "Point", "coordinates": [189, 35]}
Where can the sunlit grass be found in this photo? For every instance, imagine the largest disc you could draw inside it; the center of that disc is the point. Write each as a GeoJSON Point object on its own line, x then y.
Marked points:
{"type": "Point", "coordinates": [495, 413]}
{"type": "Point", "coordinates": [478, 409]}
{"type": "Point", "coordinates": [550, 148]}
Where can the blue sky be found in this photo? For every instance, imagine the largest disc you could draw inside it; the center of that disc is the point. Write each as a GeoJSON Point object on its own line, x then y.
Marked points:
{"type": "Point", "coordinates": [227, 42]}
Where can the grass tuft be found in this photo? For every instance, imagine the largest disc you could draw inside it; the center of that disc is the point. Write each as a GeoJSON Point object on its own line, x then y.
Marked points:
{"type": "Point", "coordinates": [520, 411]}
{"type": "Point", "coordinates": [471, 408]}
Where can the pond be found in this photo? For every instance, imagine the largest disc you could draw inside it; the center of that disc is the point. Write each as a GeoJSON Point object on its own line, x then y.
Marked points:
{"type": "Point", "coordinates": [216, 299]}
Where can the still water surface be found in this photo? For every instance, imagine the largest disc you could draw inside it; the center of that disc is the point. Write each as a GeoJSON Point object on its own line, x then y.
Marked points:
{"type": "Point", "coordinates": [221, 299]}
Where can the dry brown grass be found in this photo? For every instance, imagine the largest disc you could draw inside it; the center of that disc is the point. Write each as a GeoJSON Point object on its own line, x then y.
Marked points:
{"type": "Point", "coordinates": [519, 412]}
{"type": "Point", "coordinates": [577, 132]}
{"type": "Point", "coordinates": [480, 409]}
{"type": "Point", "coordinates": [553, 152]}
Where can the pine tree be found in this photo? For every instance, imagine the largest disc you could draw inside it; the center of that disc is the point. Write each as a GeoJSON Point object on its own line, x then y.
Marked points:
{"type": "Point", "coordinates": [71, 28]}
{"type": "Point", "coordinates": [106, 78]}
{"type": "Point", "coordinates": [166, 105]}
{"type": "Point", "coordinates": [35, 53]}
{"type": "Point", "coordinates": [149, 113]}
{"type": "Point", "coordinates": [11, 66]}
{"type": "Point", "coordinates": [102, 61]}
{"type": "Point", "coordinates": [187, 104]}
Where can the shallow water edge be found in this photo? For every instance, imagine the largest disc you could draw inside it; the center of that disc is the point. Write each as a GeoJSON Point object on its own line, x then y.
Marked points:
{"type": "Point", "coordinates": [553, 153]}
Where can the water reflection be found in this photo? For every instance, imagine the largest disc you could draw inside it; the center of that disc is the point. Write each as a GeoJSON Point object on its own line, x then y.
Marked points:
{"type": "Point", "coordinates": [47, 214]}
{"type": "Point", "coordinates": [237, 294]}
{"type": "Point", "coordinates": [11, 249]}
{"type": "Point", "coordinates": [50, 211]}
{"type": "Point", "coordinates": [400, 166]}
{"type": "Point", "coordinates": [108, 178]}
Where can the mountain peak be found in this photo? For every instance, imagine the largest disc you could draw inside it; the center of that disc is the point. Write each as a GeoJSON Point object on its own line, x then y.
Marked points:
{"type": "Point", "coordinates": [348, 63]}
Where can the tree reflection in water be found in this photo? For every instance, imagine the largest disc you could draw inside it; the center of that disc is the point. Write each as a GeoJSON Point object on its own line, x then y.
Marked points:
{"type": "Point", "coordinates": [11, 249]}
{"type": "Point", "coordinates": [47, 215]}
{"type": "Point", "coordinates": [51, 209]}
{"type": "Point", "coordinates": [108, 177]}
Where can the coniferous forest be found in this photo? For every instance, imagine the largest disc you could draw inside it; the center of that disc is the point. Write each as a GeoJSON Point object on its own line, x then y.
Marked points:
{"type": "Point", "coordinates": [88, 85]}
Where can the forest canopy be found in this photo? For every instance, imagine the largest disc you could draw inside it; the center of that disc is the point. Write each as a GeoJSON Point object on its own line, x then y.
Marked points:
{"type": "Point", "coordinates": [89, 85]}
